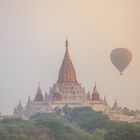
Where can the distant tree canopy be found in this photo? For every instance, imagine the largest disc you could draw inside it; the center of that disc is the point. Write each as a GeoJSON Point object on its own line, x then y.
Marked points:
{"type": "Point", "coordinates": [72, 124]}
{"type": "Point", "coordinates": [125, 132]}
{"type": "Point", "coordinates": [88, 119]}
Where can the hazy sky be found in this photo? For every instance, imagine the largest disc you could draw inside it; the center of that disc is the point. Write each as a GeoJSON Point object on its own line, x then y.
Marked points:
{"type": "Point", "coordinates": [32, 36]}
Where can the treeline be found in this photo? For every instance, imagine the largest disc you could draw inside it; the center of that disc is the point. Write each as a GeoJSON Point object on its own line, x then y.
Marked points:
{"type": "Point", "coordinates": [68, 124]}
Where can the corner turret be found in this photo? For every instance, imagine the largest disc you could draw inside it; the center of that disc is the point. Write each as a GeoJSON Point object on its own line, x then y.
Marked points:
{"type": "Point", "coordinates": [39, 95]}
{"type": "Point", "coordinates": [95, 94]}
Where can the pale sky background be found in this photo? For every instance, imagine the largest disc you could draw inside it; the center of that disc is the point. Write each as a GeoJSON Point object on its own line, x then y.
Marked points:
{"type": "Point", "coordinates": [32, 37]}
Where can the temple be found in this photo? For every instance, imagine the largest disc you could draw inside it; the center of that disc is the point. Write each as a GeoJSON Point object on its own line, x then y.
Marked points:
{"type": "Point", "coordinates": [68, 91]}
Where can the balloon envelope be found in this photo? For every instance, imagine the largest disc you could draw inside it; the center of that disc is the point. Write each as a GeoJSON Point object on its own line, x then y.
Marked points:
{"type": "Point", "coordinates": [121, 58]}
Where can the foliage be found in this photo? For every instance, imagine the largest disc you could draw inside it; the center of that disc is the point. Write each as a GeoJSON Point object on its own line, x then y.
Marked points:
{"type": "Point", "coordinates": [125, 132]}
{"type": "Point", "coordinates": [58, 128]}
{"type": "Point", "coordinates": [87, 119]}
{"type": "Point", "coordinates": [17, 129]}
{"type": "Point", "coordinates": [98, 134]}
{"type": "Point", "coordinates": [69, 124]}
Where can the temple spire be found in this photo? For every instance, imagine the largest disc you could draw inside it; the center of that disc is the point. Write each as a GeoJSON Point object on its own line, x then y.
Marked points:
{"type": "Point", "coordinates": [95, 88]}
{"type": "Point", "coordinates": [115, 106]}
{"type": "Point", "coordinates": [67, 56]}
{"type": "Point", "coordinates": [95, 94]}
{"type": "Point", "coordinates": [19, 106]}
{"type": "Point", "coordinates": [67, 72]}
{"type": "Point", "coordinates": [115, 103]}
{"type": "Point", "coordinates": [67, 42]}
{"type": "Point", "coordinates": [39, 95]}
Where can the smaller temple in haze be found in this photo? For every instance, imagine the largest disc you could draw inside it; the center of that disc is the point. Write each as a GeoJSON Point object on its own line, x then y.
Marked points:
{"type": "Point", "coordinates": [38, 105]}
{"type": "Point", "coordinates": [68, 91]}
{"type": "Point", "coordinates": [96, 102]}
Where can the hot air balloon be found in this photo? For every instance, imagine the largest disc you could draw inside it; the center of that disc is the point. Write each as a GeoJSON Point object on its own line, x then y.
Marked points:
{"type": "Point", "coordinates": [121, 58]}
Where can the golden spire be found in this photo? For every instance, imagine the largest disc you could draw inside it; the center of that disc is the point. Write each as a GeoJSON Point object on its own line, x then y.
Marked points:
{"type": "Point", "coordinates": [67, 56]}
{"type": "Point", "coordinates": [67, 72]}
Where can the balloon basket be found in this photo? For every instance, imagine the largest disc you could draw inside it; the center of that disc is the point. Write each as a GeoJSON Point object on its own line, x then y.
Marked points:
{"type": "Point", "coordinates": [121, 73]}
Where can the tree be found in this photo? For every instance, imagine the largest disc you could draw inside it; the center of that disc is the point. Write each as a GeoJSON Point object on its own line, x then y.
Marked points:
{"type": "Point", "coordinates": [125, 132]}
{"type": "Point", "coordinates": [98, 134]}
{"type": "Point", "coordinates": [88, 119]}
